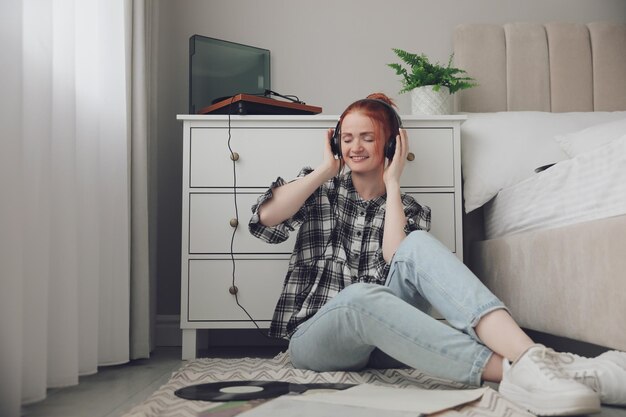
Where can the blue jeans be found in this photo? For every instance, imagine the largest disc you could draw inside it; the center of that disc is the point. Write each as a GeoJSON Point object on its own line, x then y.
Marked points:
{"type": "Point", "coordinates": [370, 325]}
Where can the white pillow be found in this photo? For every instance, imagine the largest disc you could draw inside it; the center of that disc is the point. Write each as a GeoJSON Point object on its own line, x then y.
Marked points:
{"type": "Point", "coordinates": [501, 149]}
{"type": "Point", "coordinates": [587, 139]}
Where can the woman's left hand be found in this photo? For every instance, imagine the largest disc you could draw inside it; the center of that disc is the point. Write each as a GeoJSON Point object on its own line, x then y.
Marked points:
{"type": "Point", "coordinates": [394, 168]}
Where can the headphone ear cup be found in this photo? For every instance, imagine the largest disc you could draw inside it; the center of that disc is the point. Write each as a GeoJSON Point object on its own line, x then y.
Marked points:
{"type": "Point", "coordinates": [390, 148]}
{"type": "Point", "coordinates": [335, 142]}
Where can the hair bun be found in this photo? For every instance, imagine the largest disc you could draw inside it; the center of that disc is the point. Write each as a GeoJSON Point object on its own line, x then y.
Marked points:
{"type": "Point", "coordinates": [382, 97]}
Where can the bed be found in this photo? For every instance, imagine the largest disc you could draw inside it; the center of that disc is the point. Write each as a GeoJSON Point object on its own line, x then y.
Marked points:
{"type": "Point", "coordinates": [544, 171]}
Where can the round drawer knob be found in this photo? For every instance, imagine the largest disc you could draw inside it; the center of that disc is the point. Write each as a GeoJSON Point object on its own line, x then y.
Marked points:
{"type": "Point", "coordinates": [410, 156]}
{"type": "Point", "coordinates": [234, 222]}
{"type": "Point", "coordinates": [233, 290]}
{"type": "Point", "coordinates": [234, 156]}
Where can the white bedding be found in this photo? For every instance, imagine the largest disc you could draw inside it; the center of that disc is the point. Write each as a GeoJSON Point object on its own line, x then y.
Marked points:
{"type": "Point", "coordinates": [590, 186]}
{"type": "Point", "coordinates": [500, 149]}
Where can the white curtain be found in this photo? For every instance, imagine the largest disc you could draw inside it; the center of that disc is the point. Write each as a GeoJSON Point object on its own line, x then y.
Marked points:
{"type": "Point", "coordinates": [74, 241]}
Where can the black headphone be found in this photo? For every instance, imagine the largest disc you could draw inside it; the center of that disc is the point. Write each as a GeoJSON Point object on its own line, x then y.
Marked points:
{"type": "Point", "coordinates": [390, 146]}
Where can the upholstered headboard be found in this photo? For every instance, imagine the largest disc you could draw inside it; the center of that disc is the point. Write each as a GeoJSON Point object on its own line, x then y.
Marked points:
{"type": "Point", "coordinates": [553, 67]}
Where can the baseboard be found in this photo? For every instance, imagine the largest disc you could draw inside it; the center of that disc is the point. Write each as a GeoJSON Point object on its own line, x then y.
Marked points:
{"type": "Point", "coordinates": [168, 332]}
{"type": "Point", "coordinates": [564, 344]}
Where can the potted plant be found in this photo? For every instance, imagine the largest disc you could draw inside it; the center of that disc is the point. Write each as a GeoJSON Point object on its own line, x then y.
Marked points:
{"type": "Point", "coordinates": [431, 85]}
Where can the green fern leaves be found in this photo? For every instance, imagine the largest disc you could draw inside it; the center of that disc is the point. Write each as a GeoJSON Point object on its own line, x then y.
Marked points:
{"type": "Point", "coordinates": [423, 72]}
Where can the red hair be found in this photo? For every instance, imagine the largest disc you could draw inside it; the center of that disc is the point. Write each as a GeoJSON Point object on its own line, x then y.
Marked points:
{"type": "Point", "coordinates": [385, 122]}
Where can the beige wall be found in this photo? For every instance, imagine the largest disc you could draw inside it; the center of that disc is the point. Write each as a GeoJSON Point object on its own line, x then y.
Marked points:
{"type": "Point", "coordinates": [327, 52]}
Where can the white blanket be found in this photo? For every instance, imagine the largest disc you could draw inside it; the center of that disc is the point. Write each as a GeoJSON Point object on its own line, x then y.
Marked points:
{"type": "Point", "coordinates": [587, 187]}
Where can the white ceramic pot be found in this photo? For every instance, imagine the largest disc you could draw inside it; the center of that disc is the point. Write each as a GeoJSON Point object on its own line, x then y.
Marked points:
{"type": "Point", "coordinates": [426, 101]}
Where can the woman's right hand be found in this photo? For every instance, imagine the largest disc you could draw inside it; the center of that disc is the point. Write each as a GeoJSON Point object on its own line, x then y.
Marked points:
{"type": "Point", "coordinates": [330, 165]}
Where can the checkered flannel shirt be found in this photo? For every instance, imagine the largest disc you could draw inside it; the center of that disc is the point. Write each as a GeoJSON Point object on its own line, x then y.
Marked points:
{"type": "Point", "coordinates": [339, 243]}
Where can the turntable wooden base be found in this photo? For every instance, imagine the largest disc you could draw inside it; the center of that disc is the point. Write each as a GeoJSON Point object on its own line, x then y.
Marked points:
{"type": "Point", "coordinates": [249, 104]}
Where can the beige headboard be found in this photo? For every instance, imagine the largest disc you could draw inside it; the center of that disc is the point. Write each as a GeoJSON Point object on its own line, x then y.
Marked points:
{"type": "Point", "coordinates": [557, 67]}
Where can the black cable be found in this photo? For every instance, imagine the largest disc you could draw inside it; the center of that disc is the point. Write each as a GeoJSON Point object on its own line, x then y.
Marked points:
{"type": "Point", "coordinates": [289, 97]}
{"type": "Point", "coordinates": [232, 238]}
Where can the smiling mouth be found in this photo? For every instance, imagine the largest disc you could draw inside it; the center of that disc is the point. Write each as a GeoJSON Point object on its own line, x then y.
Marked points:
{"type": "Point", "coordinates": [358, 158]}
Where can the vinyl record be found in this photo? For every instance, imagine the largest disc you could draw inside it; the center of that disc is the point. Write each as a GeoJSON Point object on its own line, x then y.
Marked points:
{"type": "Point", "coordinates": [234, 390]}
{"type": "Point", "coordinates": [248, 390]}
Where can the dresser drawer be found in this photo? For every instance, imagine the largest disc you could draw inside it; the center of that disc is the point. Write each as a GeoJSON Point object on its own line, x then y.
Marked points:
{"type": "Point", "coordinates": [210, 230]}
{"type": "Point", "coordinates": [433, 165]}
{"type": "Point", "coordinates": [265, 154]}
{"type": "Point", "coordinates": [259, 284]}
{"type": "Point", "coordinates": [442, 216]}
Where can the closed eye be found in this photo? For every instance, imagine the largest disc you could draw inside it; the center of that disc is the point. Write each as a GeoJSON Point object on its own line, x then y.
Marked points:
{"type": "Point", "coordinates": [367, 137]}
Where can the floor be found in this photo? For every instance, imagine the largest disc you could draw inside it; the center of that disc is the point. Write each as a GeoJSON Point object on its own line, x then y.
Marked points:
{"type": "Point", "coordinates": [115, 390]}
{"type": "Point", "coordinates": [111, 392]}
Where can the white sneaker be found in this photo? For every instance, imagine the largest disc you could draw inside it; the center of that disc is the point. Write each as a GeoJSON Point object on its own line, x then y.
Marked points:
{"type": "Point", "coordinates": [536, 382]}
{"type": "Point", "coordinates": [615, 356]}
{"type": "Point", "coordinates": [602, 374]}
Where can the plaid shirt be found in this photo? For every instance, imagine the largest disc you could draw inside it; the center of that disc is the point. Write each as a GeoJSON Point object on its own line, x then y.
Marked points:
{"type": "Point", "coordinates": [339, 243]}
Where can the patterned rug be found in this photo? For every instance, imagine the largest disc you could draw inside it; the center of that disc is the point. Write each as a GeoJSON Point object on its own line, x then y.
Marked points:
{"type": "Point", "coordinates": [163, 402]}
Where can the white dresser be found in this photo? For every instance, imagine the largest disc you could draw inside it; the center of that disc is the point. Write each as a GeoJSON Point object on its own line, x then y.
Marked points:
{"type": "Point", "coordinates": [220, 187]}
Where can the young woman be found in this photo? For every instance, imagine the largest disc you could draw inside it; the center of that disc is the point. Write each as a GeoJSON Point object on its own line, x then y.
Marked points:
{"type": "Point", "coordinates": [365, 272]}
